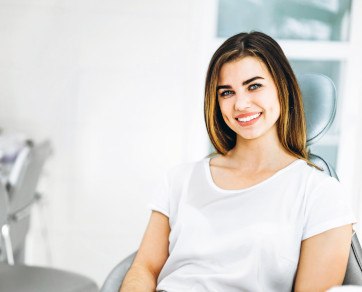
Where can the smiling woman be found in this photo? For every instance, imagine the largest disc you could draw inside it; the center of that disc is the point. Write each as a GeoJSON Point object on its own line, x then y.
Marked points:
{"type": "Point", "coordinates": [270, 62]}
{"type": "Point", "coordinates": [251, 107]}
{"type": "Point", "coordinates": [257, 216]}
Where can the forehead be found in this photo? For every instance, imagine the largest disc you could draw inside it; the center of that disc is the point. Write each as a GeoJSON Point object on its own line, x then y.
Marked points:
{"type": "Point", "coordinates": [243, 69]}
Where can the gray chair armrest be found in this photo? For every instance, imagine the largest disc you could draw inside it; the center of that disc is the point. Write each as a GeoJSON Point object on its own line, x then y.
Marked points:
{"type": "Point", "coordinates": [354, 267]}
{"type": "Point", "coordinates": [114, 280]}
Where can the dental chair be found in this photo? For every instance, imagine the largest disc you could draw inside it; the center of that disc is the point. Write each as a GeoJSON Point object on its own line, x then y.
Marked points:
{"type": "Point", "coordinates": [21, 187]}
{"type": "Point", "coordinates": [19, 277]}
{"type": "Point", "coordinates": [14, 209]}
{"type": "Point", "coordinates": [319, 98]}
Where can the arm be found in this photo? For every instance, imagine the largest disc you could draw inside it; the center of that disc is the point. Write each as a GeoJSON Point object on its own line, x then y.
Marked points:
{"type": "Point", "coordinates": [151, 256]}
{"type": "Point", "coordinates": [323, 260]}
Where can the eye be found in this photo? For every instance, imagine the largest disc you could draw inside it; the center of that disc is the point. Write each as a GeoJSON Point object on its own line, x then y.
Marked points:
{"type": "Point", "coordinates": [254, 86]}
{"type": "Point", "coordinates": [225, 93]}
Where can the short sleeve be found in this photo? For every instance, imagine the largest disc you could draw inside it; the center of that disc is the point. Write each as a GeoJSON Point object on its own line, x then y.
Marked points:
{"type": "Point", "coordinates": [328, 206]}
{"type": "Point", "coordinates": [160, 200]}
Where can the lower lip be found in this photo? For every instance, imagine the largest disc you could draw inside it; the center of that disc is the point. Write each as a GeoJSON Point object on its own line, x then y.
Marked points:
{"type": "Point", "coordinates": [249, 123]}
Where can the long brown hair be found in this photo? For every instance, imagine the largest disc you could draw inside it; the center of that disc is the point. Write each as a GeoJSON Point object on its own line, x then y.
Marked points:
{"type": "Point", "coordinates": [291, 125]}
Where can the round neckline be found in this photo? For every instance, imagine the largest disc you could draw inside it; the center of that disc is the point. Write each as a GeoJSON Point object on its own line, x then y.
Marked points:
{"type": "Point", "coordinates": [219, 189]}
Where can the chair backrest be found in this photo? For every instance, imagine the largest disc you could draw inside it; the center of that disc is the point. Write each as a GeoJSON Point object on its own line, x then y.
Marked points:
{"type": "Point", "coordinates": [28, 169]}
{"type": "Point", "coordinates": [319, 98]}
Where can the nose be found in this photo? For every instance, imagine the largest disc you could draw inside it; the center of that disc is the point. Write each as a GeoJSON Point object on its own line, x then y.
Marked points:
{"type": "Point", "coordinates": [242, 101]}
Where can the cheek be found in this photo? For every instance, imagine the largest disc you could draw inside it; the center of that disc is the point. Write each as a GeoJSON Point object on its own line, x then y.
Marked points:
{"type": "Point", "coordinates": [277, 110]}
{"type": "Point", "coordinates": [222, 107]}
{"type": "Point", "coordinates": [225, 109]}
{"type": "Point", "coordinates": [274, 108]}
{"type": "Point", "coordinates": [225, 105]}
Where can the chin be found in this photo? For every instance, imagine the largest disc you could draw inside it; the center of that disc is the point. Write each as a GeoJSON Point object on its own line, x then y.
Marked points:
{"type": "Point", "coordinates": [248, 137]}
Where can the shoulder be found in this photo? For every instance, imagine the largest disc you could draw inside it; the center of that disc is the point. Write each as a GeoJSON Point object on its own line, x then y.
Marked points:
{"type": "Point", "coordinates": [320, 188]}
{"type": "Point", "coordinates": [313, 177]}
{"type": "Point", "coordinates": [309, 180]}
{"type": "Point", "coordinates": [320, 180]}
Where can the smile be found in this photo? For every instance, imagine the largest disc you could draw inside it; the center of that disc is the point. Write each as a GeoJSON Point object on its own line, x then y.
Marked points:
{"type": "Point", "coordinates": [249, 118]}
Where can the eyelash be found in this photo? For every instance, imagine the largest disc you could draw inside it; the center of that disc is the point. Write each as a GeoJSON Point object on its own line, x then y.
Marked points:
{"type": "Point", "coordinates": [224, 93]}
{"type": "Point", "coordinates": [258, 85]}
{"type": "Point", "coordinates": [251, 87]}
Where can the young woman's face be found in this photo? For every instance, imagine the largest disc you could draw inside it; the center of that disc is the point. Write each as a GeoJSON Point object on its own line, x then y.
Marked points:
{"type": "Point", "coordinates": [248, 98]}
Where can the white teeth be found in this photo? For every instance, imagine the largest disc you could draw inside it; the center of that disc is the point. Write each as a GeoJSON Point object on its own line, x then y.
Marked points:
{"type": "Point", "coordinates": [249, 118]}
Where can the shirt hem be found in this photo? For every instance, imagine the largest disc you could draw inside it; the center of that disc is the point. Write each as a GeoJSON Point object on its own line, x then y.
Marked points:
{"type": "Point", "coordinates": [329, 225]}
{"type": "Point", "coordinates": [158, 209]}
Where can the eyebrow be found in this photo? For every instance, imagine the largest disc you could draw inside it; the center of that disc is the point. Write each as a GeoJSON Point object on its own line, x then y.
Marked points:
{"type": "Point", "coordinates": [251, 80]}
{"type": "Point", "coordinates": [246, 82]}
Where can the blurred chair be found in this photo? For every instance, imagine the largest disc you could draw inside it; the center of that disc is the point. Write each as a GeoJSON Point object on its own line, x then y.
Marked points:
{"type": "Point", "coordinates": [319, 98]}
{"type": "Point", "coordinates": [19, 277]}
{"type": "Point", "coordinates": [22, 193]}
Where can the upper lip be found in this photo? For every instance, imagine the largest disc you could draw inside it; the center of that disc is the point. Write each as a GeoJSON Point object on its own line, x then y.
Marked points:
{"type": "Point", "coordinates": [246, 115]}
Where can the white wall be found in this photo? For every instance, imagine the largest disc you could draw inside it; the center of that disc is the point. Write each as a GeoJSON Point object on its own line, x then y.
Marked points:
{"type": "Point", "coordinates": [117, 87]}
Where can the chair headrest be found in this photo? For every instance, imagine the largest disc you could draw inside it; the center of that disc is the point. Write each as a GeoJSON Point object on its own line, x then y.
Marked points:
{"type": "Point", "coordinates": [319, 99]}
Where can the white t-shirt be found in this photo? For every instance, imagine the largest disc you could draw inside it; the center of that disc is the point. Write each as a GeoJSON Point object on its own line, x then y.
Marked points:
{"type": "Point", "coordinates": [248, 239]}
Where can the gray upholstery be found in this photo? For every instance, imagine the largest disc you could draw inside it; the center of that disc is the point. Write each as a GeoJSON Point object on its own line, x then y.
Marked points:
{"type": "Point", "coordinates": [115, 278]}
{"type": "Point", "coordinates": [320, 162]}
{"type": "Point", "coordinates": [37, 279]}
{"type": "Point", "coordinates": [319, 99]}
{"type": "Point", "coordinates": [354, 268]}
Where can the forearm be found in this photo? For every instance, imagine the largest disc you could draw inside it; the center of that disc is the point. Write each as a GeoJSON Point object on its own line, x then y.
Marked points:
{"type": "Point", "coordinates": [139, 279]}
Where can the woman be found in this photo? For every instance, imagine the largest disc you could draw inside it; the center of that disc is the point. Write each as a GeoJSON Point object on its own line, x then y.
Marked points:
{"type": "Point", "coordinates": [259, 216]}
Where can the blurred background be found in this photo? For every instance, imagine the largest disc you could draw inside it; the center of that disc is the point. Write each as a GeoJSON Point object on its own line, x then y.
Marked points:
{"type": "Point", "coordinates": [117, 89]}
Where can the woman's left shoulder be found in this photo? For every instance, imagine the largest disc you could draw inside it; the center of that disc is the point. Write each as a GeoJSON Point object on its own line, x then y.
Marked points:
{"type": "Point", "coordinates": [320, 182]}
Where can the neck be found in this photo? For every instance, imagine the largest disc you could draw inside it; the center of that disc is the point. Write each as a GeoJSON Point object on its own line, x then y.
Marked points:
{"type": "Point", "coordinates": [257, 154]}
